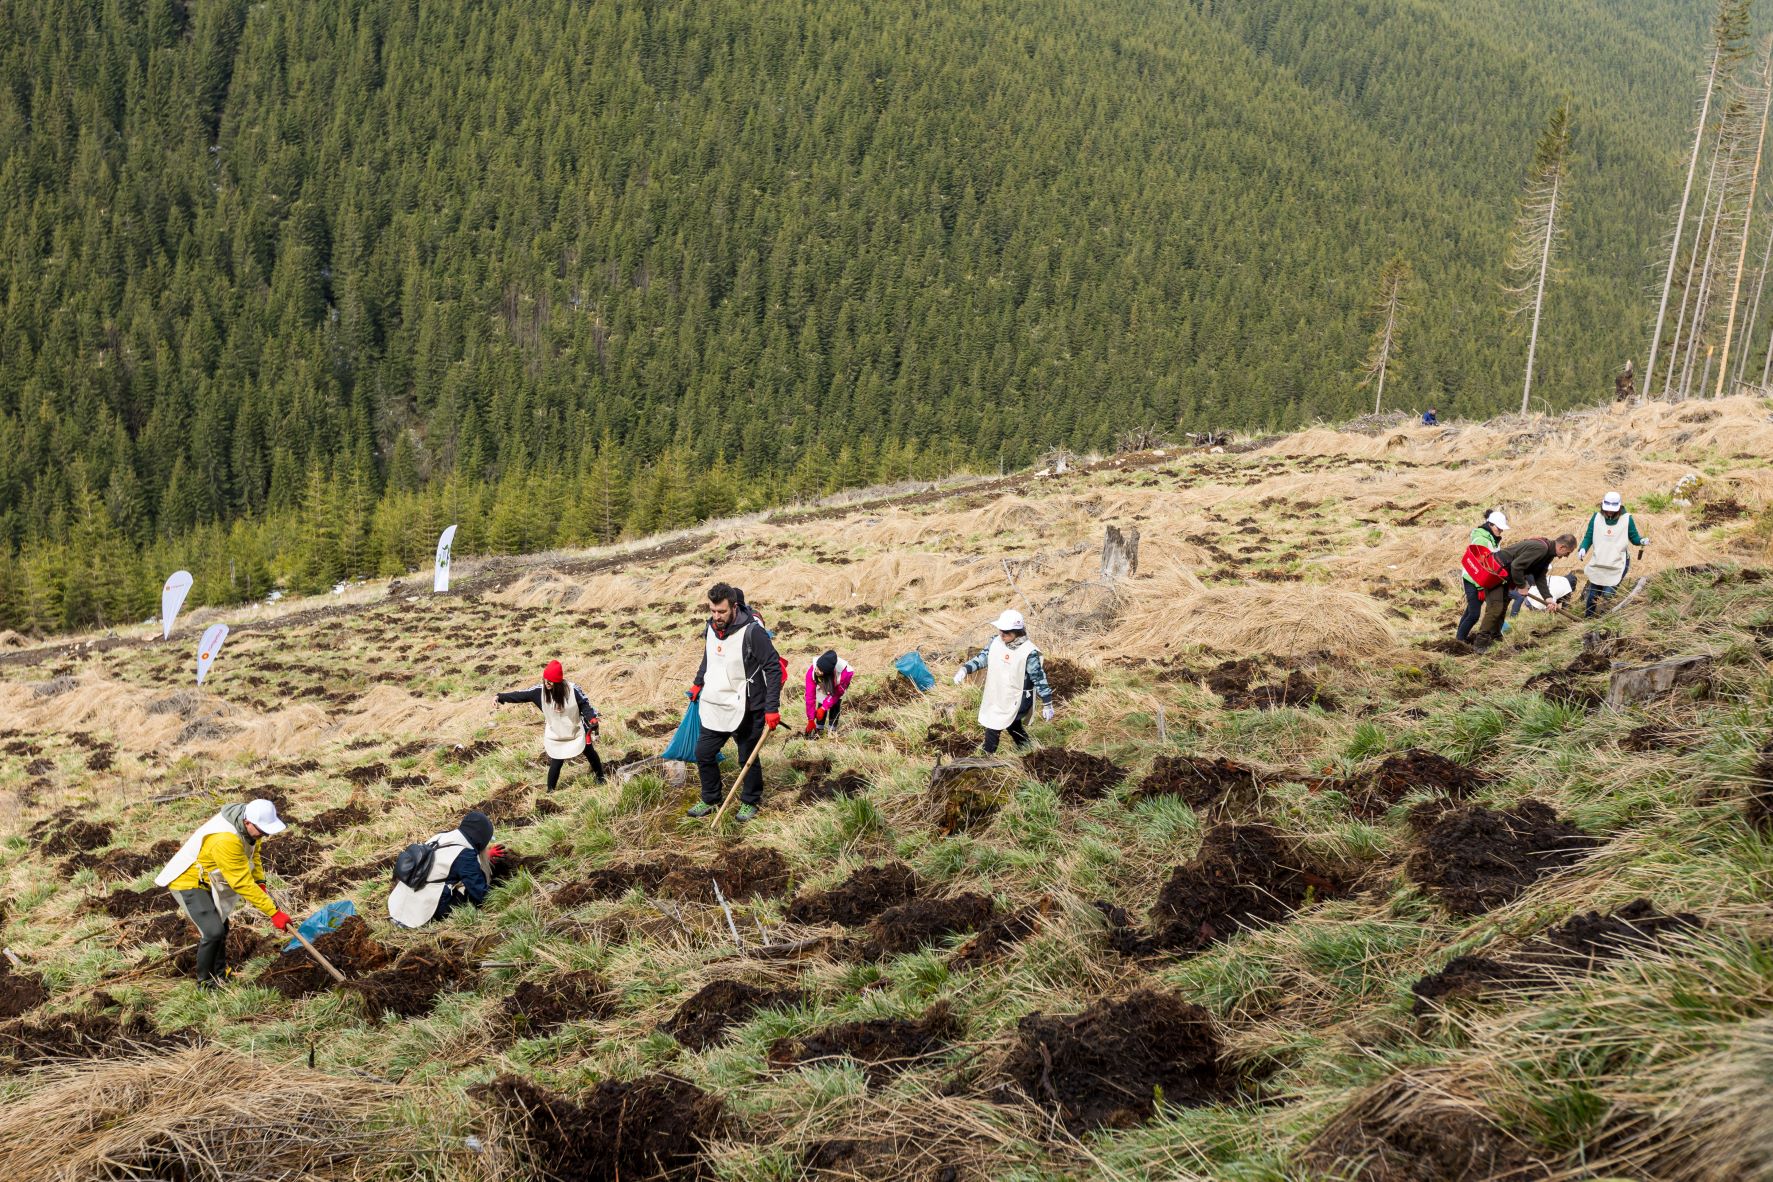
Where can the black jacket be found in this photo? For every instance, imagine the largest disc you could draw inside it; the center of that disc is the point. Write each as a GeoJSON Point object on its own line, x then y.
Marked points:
{"type": "Point", "coordinates": [761, 660]}
{"type": "Point", "coordinates": [534, 698]}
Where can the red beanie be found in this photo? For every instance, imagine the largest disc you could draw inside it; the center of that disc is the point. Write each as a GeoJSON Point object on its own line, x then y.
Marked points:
{"type": "Point", "coordinates": [552, 672]}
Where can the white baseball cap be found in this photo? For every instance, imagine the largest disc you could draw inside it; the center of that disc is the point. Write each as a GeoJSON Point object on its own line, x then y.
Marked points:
{"type": "Point", "coordinates": [1497, 518]}
{"type": "Point", "coordinates": [1612, 502]}
{"type": "Point", "coordinates": [263, 814]}
{"type": "Point", "coordinates": [1010, 621]}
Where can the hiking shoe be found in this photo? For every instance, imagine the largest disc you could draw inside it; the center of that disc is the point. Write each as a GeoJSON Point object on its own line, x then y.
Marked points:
{"type": "Point", "coordinates": [701, 810]}
{"type": "Point", "coordinates": [746, 812]}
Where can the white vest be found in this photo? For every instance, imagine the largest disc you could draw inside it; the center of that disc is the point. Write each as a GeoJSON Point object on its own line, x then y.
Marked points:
{"type": "Point", "coordinates": [411, 908]}
{"type": "Point", "coordinates": [1006, 674]}
{"type": "Point", "coordinates": [225, 899]}
{"type": "Point", "coordinates": [1607, 550]}
{"type": "Point", "coordinates": [563, 731]}
{"type": "Point", "coordinates": [721, 703]}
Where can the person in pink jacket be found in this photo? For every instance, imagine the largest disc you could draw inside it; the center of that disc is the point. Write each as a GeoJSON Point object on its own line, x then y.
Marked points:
{"type": "Point", "coordinates": [826, 680]}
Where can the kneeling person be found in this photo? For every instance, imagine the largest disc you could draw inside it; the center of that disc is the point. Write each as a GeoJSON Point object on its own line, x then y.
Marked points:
{"type": "Point", "coordinates": [460, 872]}
{"type": "Point", "coordinates": [216, 870]}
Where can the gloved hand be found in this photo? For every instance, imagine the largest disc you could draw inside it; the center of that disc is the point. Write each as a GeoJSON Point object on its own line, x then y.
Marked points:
{"type": "Point", "coordinates": [592, 723]}
{"type": "Point", "coordinates": [1581, 554]}
{"type": "Point", "coordinates": [1046, 712]}
{"type": "Point", "coordinates": [960, 676]}
{"type": "Point", "coordinates": [811, 726]}
{"type": "Point", "coordinates": [1643, 543]}
{"type": "Point", "coordinates": [280, 921]}
{"type": "Point", "coordinates": [695, 692]}
{"type": "Point", "coordinates": [495, 851]}
{"type": "Point", "coordinates": [820, 715]}
{"type": "Point", "coordinates": [771, 721]}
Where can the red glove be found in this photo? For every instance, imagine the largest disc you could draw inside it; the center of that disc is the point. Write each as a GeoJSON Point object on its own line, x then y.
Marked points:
{"type": "Point", "coordinates": [811, 726]}
{"type": "Point", "coordinates": [695, 692]}
{"type": "Point", "coordinates": [771, 721]}
{"type": "Point", "coordinates": [280, 921]}
{"type": "Point", "coordinates": [592, 723]}
{"type": "Point", "coordinates": [495, 851]}
{"type": "Point", "coordinates": [820, 716]}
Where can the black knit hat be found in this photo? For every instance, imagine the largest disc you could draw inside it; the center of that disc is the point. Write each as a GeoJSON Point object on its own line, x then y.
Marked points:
{"type": "Point", "coordinates": [827, 662]}
{"type": "Point", "coordinates": [477, 828]}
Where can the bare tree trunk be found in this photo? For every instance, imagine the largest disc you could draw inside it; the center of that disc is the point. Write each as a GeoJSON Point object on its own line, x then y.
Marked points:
{"type": "Point", "coordinates": [1754, 311]}
{"type": "Point", "coordinates": [1674, 249]}
{"type": "Point", "coordinates": [1748, 213]}
{"type": "Point", "coordinates": [1384, 358]}
{"type": "Point", "coordinates": [1688, 295]}
{"type": "Point", "coordinates": [1539, 296]}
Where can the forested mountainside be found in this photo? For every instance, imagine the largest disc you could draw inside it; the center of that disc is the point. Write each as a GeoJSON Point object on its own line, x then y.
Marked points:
{"type": "Point", "coordinates": [287, 287]}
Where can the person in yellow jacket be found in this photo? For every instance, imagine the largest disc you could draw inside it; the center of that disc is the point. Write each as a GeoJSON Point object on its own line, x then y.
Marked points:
{"type": "Point", "coordinates": [216, 870]}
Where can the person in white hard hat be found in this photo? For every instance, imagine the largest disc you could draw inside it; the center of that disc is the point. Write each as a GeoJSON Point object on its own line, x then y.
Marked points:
{"type": "Point", "coordinates": [216, 870]}
{"type": "Point", "coordinates": [1606, 545]}
{"type": "Point", "coordinates": [1014, 677]}
{"type": "Point", "coordinates": [1489, 535]}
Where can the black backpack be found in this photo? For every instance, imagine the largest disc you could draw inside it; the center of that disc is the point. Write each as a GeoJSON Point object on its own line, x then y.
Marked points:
{"type": "Point", "coordinates": [413, 866]}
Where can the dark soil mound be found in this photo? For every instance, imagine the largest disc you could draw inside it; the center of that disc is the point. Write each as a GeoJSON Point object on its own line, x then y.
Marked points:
{"type": "Point", "coordinates": [892, 691]}
{"type": "Point", "coordinates": [624, 1131]}
{"type": "Point", "coordinates": [718, 1006]}
{"type": "Point", "coordinates": [1078, 774]}
{"type": "Point", "coordinates": [1105, 1067]}
{"type": "Point", "coordinates": [369, 773]}
{"type": "Point", "coordinates": [951, 741]}
{"type": "Point", "coordinates": [908, 1157]}
{"type": "Point", "coordinates": [858, 898]}
{"type": "Point", "coordinates": [246, 939]}
{"type": "Point", "coordinates": [20, 993]}
{"type": "Point", "coordinates": [1650, 737]}
{"type": "Point", "coordinates": [997, 936]}
{"type": "Point", "coordinates": [167, 927]}
{"type": "Point", "coordinates": [919, 922]}
{"type": "Point", "coordinates": [1385, 1137]}
{"type": "Point", "coordinates": [843, 784]}
{"type": "Point", "coordinates": [744, 872]}
{"type": "Point", "coordinates": [536, 1008]}
{"type": "Point", "coordinates": [127, 904]}
{"type": "Point", "coordinates": [469, 752]}
{"type": "Point", "coordinates": [612, 882]}
{"type": "Point", "coordinates": [881, 1045]}
{"type": "Point", "coordinates": [1294, 689]}
{"type": "Point", "coordinates": [1200, 782]}
{"type": "Point", "coordinates": [123, 863]}
{"type": "Point", "coordinates": [1067, 678]}
{"type": "Point", "coordinates": [1567, 688]}
{"type": "Point", "coordinates": [75, 836]}
{"type": "Point", "coordinates": [1402, 774]}
{"type": "Point", "coordinates": [337, 820]}
{"type": "Point", "coordinates": [1473, 858]}
{"type": "Point", "coordinates": [293, 855]}
{"type": "Point", "coordinates": [1244, 876]}
{"type": "Point", "coordinates": [81, 1036]}
{"type": "Point", "coordinates": [1231, 678]}
{"type": "Point", "coordinates": [410, 986]}
{"type": "Point", "coordinates": [348, 947]}
{"type": "Point", "coordinates": [506, 868]}
{"type": "Point", "coordinates": [1580, 946]}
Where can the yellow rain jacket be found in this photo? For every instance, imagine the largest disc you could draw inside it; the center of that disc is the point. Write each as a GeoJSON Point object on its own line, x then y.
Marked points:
{"type": "Point", "coordinates": [234, 858]}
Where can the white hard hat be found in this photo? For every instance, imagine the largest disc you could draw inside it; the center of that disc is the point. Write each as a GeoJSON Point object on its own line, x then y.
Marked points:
{"type": "Point", "coordinates": [1497, 518]}
{"type": "Point", "coordinates": [1612, 502]}
{"type": "Point", "coordinates": [263, 814]}
{"type": "Point", "coordinates": [1010, 621]}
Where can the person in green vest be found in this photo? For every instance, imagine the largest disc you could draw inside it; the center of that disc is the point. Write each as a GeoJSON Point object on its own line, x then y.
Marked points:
{"type": "Point", "coordinates": [1488, 533]}
{"type": "Point", "coordinates": [1606, 545]}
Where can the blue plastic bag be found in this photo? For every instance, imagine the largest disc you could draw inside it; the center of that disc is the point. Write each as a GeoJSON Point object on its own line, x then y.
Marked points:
{"type": "Point", "coordinates": [912, 666]}
{"type": "Point", "coordinates": [323, 921]}
{"type": "Point", "coordinates": [683, 743]}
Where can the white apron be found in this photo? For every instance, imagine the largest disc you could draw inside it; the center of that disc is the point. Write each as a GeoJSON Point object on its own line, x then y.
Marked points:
{"type": "Point", "coordinates": [414, 908]}
{"type": "Point", "coordinates": [226, 900]}
{"type": "Point", "coordinates": [1006, 675]}
{"type": "Point", "coordinates": [1607, 551]}
{"type": "Point", "coordinates": [721, 704]}
{"type": "Point", "coordinates": [563, 731]}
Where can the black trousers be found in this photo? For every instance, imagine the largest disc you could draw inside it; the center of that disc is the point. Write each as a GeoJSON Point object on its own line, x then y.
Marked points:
{"type": "Point", "coordinates": [830, 723]}
{"type": "Point", "coordinates": [554, 766]}
{"type": "Point", "coordinates": [1474, 607]}
{"type": "Point", "coordinates": [212, 946]}
{"type": "Point", "coordinates": [748, 736]}
{"type": "Point", "coordinates": [1018, 729]}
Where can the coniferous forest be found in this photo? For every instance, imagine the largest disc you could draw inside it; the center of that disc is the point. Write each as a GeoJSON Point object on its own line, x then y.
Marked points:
{"type": "Point", "coordinates": [288, 287]}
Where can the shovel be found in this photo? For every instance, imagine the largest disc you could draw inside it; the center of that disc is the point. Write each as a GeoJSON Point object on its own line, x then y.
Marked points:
{"type": "Point", "coordinates": [295, 929]}
{"type": "Point", "coordinates": [733, 793]}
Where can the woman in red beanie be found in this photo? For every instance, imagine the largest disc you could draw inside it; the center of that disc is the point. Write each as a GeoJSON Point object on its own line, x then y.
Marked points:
{"type": "Point", "coordinates": [568, 720]}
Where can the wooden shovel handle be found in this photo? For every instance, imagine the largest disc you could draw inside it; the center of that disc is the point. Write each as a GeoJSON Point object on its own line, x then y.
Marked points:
{"type": "Point", "coordinates": [733, 794]}
{"type": "Point", "coordinates": [315, 953]}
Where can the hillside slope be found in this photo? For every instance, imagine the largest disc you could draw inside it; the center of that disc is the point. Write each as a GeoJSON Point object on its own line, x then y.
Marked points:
{"type": "Point", "coordinates": [1332, 897]}
{"type": "Point", "coordinates": [276, 262]}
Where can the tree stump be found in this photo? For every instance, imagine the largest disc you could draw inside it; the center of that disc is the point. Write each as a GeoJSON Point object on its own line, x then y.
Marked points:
{"type": "Point", "coordinates": [1640, 683]}
{"type": "Point", "coordinates": [1120, 554]}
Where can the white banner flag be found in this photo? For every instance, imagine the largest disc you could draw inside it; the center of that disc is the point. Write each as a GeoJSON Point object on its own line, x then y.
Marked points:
{"type": "Point", "coordinates": [440, 574]}
{"type": "Point", "coordinates": [172, 597]}
{"type": "Point", "coordinates": [208, 648]}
